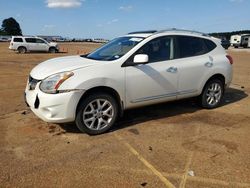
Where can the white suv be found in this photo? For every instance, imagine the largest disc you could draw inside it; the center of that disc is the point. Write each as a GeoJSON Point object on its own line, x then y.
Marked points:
{"type": "Point", "coordinates": [23, 44]}
{"type": "Point", "coordinates": [138, 69]}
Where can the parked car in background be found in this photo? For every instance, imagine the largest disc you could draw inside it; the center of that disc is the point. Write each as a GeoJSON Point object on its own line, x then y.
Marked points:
{"type": "Point", "coordinates": [135, 70]}
{"type": "Point", "coordinates": [225, 43]}
{"type": "Point", "coordinates": [5, 39]}
{"type": "Point", "coordinates": [24, 44]}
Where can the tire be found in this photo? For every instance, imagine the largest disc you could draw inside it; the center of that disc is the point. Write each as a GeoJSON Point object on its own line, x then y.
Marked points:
{"type": "Point", "coordinates": [95, 120]}
{"type": "Point", "coordinates": [52, 50]}
{"type": "Point", "coordinates": [212, 94]}
{"type": "Point", "coordinates": [22, 50]}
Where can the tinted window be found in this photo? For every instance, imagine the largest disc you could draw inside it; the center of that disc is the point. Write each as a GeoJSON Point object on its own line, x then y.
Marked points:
{"type": "Point", "coordinates": [30, 40]}
{"type": "Point", "coordinates": [210, 45]}
{"type": "Point", "coordinates": [191, 46]}
{"type": "Point", "coordinates": [159, 49]}
{"type": "Point", "coordinates": [18, 40]}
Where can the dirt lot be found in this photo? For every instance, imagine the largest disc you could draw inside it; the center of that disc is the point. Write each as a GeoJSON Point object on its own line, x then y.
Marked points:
{"type": "Point", "coordinates": [173, 144]}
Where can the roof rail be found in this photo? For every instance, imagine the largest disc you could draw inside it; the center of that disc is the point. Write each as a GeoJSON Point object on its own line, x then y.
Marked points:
{"type": "Point", "coordinates": [24, 36]}
{"type": "Point", "coordinates": [184, 30]}
{"type": "Point", "coordinates": [169, 30]}
{"type": "Point", "coordinates": [148, 31]}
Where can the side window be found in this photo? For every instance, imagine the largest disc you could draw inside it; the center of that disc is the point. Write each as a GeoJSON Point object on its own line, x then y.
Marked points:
{"type": "Point", "coordinates": [18, 40]}
{"type": "Point", "coordinates": [159, 49]}
{"type": "Point", "coordinates": [191, 46]}
{"type": "Point", "coordinates": [30, 40]}
{"type": "Point", "coordinates": [39, 41]}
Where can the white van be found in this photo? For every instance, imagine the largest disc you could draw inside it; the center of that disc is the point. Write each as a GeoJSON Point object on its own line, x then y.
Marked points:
{"type": "Point", "coordinates": [235, 40]}
{"type": "Point", "coordinates": [23, 44]}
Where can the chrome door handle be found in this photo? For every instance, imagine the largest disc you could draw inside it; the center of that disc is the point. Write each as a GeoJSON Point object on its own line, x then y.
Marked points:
{"type": "Point", "coordinates": [209, 64]}
{"type": "Point", "coordinates": [172, 69]}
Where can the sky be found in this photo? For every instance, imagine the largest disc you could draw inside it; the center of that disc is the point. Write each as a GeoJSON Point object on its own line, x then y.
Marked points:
{"type": "Point", "coordinates": [111, 18]}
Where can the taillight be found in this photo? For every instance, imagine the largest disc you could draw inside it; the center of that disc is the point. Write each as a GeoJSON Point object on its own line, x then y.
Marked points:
{"type": "Point", "coordinates": [230, 59]}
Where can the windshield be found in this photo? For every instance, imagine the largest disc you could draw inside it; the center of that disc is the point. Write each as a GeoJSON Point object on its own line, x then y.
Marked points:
{"type": "Point", "coordinates": [115, 49]}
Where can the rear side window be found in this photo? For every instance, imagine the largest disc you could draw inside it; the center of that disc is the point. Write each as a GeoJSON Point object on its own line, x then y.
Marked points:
{"type": "Point", "coordinates": [210, 45]}
{"type": "Point", "coordinates": [30, 40]}
{"type": "Point", "coordinates": [18, 40]}
{"type": "Point", "coordinates": [191, 46]}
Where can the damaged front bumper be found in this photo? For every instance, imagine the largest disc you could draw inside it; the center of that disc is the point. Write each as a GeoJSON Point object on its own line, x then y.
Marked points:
{"type": "Point", "coordinates": [56, 108]}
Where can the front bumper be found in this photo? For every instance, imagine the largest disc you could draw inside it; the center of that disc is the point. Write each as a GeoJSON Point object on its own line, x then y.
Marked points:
{"type": "Point", "coordinates": [56, 108]}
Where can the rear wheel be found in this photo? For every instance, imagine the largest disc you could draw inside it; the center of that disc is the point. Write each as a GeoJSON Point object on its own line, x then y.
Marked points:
{"type": "Point", "coordinates": [96, 114]}
{"type": "Point", "coordinates": [22, 50]}
{"type": "Point", "coordinates": [212, 94]}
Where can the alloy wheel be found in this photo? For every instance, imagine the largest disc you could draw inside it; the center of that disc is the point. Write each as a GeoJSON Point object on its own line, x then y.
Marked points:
{"type": "Point", "coordinates": [98, 114]}
{"type": "Point", "coordinates": [214, 93]}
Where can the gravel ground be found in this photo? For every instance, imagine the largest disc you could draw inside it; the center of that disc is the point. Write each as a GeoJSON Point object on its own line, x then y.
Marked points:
{"type": "Point", "coordinates": [174, 144]}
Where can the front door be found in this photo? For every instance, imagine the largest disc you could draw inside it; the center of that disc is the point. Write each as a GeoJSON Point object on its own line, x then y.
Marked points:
{"type": "Point", "coordinates": [41, 45]}
{"type": "Point", "coordinates": [155, 81]}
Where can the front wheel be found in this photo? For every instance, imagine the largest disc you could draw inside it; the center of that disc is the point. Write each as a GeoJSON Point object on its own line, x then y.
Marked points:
{"type": "Point", "coordinates": [52, 50]}
{"type": "Point", "coordinates": [212, 94]}
{"type": "Point", "coordinates": [96, 114]}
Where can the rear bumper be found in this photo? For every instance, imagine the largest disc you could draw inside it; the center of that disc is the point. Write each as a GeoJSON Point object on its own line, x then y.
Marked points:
{"type": "Point", "coordinates": [56, 108]}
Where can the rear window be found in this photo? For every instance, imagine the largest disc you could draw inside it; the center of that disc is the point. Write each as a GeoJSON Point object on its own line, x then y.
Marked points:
{"type": "Point", "coordinates": [30, 40]}
{"type": "Point", "coordinates": [18, 40]}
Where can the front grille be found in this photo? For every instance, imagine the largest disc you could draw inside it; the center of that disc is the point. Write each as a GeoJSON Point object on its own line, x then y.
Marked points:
{"type": "Point", "coordinates": [32, 83]}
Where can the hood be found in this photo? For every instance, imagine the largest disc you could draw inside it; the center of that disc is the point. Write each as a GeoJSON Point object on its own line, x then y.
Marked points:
{"type": "Point", "coordinates": [61, 64]}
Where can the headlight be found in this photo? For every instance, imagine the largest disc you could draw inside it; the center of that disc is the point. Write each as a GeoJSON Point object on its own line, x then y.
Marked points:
{"type": "Point", "coordinates": [53, 82]}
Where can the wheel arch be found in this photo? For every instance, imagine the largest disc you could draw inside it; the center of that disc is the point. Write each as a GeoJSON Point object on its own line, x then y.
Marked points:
{"type": "Point", "coordinates": [107, 90]}
{"type": "Point", "coordinates": [218, 76]}
{"type": "Point", "coordinates": [22, 47]}
{"type": "Point", "coordinates": [52, 47]}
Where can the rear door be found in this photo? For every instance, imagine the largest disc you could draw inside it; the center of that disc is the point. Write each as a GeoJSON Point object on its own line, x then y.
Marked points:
{"type": "Point", "coordinates": [31, 44]}
{"type": "Point", "coordinates": [194, 63]}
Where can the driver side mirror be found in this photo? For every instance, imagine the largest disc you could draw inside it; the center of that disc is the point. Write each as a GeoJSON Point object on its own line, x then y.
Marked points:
{"type": "Point", "coordinates": [141, 59]}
